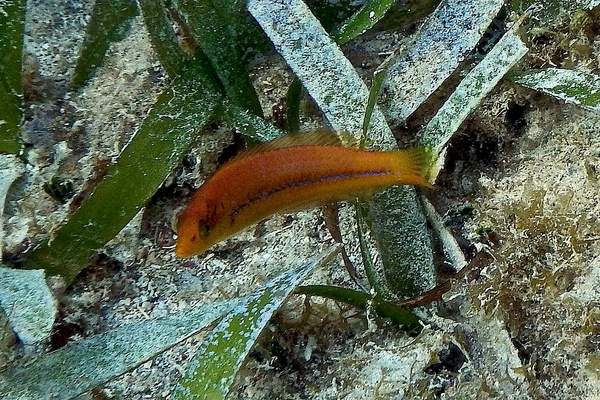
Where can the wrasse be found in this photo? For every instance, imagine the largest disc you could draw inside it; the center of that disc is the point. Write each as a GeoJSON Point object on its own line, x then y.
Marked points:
{"type": "Point", "coordinates": [290, 173]}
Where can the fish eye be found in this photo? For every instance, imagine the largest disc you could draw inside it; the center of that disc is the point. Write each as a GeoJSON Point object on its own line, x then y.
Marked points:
{"type": "Point", "coordinates": [203, 227]}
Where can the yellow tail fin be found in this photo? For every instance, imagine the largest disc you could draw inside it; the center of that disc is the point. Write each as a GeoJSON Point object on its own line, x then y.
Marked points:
{"type": "Point", "coordinates": [418, 165]}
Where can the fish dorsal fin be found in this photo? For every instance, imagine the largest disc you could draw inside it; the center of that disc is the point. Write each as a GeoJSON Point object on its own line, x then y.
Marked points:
{"type": "Point", "coordinates": [315, 138]}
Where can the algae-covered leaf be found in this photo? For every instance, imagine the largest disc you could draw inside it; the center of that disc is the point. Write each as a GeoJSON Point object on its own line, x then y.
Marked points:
{"type": "Point", "coordinates": [399, 240]}
{"type": "Point", "coordinates": [28, 303]}
{"type": "Point", "coordinates": [220, 356]}
{"type": "Point", "coordinates": [12, 16]}
{"type": "Point", "coordinates": [326, 74]}
{"type": "Point", "coordinates": [376, 84]}
{"type": "Point", "coordinates": [452, 250]}
{"type": "Point", "coordinates": [365, 18]}
{"type": "Point", "coordinates": [253, 128]}
{"type": "Point", "coordinates": [85, 364]}
{"type": "Point", "coordinates": [166, 133]}
{"type": "Point", "coordinates": [110, 22]}
{"type": "Point", "coordinates": [332, 13]}
{"type": "Point", "coordinates": [401, 316]}
{"type": "Point", "coordinates": [428, 57]}
{"type": "Point", "coordinates": [471, 91]}
{"type": "Point", "coordinates": [10, 169]}
{"type": "Point", "coordinates": [163, 37]}
{"type": "Point", "coordinates": [292, 100]}
{"type": "Point", "coordinates": [551, 11]}
{"type": "Point", "coordinates": [243, 28]}
{"type": "Point", "coordinates": [400, 229]}
{"type": "Point", "coordinates": [575, 87]}
{"type": "Point", "coordinates": [215, 36]}
{"type": "Point", "coordinates": [411, 75]}
{"type": "Point", "coordinates": [377, 282]}
{"type": "Point", "coordinates": [404, 13]}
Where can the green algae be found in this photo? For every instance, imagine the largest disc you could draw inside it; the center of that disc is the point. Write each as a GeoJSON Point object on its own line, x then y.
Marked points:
{"type": "Point", "coordinates": [400, 316]}
{"type": "Point", "coordinates": [110, 22]}
{"type": "Point", "coordinates": [211, 32]}
{"type": "Point", "coordinates": [12, 17]}
{"type": "Point", "coordinates": [575, 87]}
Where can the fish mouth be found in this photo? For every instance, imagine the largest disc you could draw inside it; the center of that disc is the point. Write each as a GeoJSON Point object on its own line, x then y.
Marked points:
{"type": "Point", "coordinates": [183, 252]}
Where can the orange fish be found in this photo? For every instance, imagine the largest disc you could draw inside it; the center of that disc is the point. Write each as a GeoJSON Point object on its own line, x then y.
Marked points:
{"type": "Point", "coordinates": [290, 173]}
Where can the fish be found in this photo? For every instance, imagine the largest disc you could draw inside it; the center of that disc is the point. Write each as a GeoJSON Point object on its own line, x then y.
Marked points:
{"type": "Point", "coordinates": [291, 173]}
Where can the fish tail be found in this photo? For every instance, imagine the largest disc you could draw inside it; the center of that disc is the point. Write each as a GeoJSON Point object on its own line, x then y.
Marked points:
{"type": "Point", "coordinates": [417, 165]}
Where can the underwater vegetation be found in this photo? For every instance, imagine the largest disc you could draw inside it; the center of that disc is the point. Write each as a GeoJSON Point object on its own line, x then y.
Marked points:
{"type": "Point", "coordinates": [112, 113]}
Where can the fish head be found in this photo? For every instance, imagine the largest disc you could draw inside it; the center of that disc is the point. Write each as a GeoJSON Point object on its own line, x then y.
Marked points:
{"type": "Point", "coordinates": [195, 230]}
